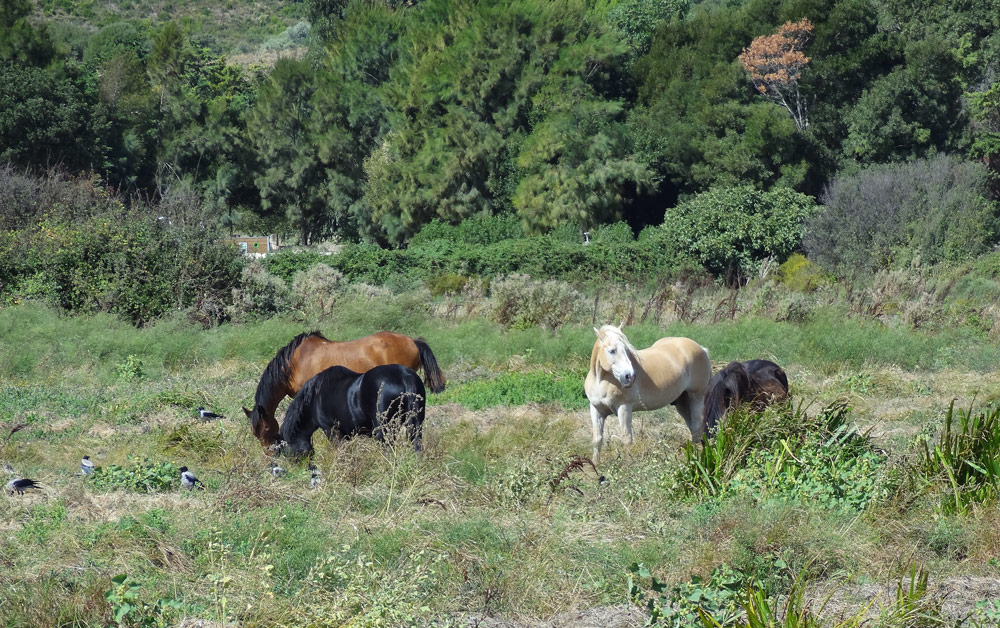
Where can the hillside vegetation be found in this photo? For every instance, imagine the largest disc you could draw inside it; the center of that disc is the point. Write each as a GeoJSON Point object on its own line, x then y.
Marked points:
{"type": "Point", "coordinates": [807, 181]}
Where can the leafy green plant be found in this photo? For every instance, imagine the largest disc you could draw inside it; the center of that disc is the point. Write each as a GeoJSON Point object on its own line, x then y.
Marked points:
{"type": "Point", "coordinates": [130, 368]}
{"type": "Point", "coordinates": [683, 604]}
{"type": "Point", "coordinates": [129, 611]}
{"type": "Point", "coordinates": [141, 477]}
{"type": "Point", "coordinates": [969, 457]}
{"type": "Point", "coordinates": [819, 458]}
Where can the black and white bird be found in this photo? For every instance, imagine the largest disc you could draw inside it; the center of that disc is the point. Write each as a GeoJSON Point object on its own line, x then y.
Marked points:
{"type": "Point", "coordinates": [20, 485]}
{"type": "Point", "coordinates": [277, 471]}
{"type": "Point", "coordinates": [86, 466]}
{"type": "Point", "coordinates": [314, 476]}
{"type": "Point", "coordinates": [208, 414]}
{"type": "Point", "coordinates": [189, 481]}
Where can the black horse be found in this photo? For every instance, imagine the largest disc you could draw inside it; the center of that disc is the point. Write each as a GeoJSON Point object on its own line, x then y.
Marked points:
{"type": "Point", "coordinates": [344, 403]}
{"type": "Point", "coordinates": [759, 382]}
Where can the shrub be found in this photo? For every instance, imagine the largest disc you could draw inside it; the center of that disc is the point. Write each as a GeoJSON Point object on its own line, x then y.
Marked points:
{"type": "Point", "coordinates": [969, 458]}
{"type": "Point", "coordinates": [478, 230]}
{"type": "Point", "coordinates": [259, 295]}
{"type": "Point", "coordinates": [521, 302]}
{"type": "Point", "coordinates": [318, 289]}
{"type": "Point", "coordinates": [286, 264]}
{"type": "Point", "coordinates": [800, 274]}
{"type": "Point", "coordinates": [735, 229]}
{"type": "Point", "coordinates": [888, 215]}
{"type": "Point", "coordinates": [89, 252]}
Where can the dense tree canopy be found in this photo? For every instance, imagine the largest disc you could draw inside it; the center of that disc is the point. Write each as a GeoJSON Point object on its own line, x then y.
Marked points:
{"type": "Point", "coordinates": [563, 113]}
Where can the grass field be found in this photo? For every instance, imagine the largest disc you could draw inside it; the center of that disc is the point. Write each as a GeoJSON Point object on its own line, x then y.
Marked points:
{"type": "Point", "coordinates": [494, 520]}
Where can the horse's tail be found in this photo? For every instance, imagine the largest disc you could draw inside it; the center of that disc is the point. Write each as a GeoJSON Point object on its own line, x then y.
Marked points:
{"type": "Point", "coordinates": [432, 372]}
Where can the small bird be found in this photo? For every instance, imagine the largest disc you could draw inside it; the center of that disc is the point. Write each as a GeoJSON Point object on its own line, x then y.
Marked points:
{"type": "Point", "coordinates": [189, 481]}
{"type": "Point", "coordinates": [208, 414]}
{"type": "Point", "coordinates": [314, 476]}
{"type": "Point", "coordinates": [86, 466]}
{"type": "Point", "coordinates": [21, 485]}
{"type": "Point", "coordinates": [277, 471]}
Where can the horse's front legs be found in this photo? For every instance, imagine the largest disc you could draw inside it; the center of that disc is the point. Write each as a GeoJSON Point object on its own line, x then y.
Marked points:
{"type": "Point", "coordinates": [625, 422]}
{"type": "Point", "coordinates": [597, 421]}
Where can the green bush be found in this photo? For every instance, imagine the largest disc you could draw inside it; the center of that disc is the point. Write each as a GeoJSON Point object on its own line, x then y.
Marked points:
{"type": "Point", "coordinates": [260, 295]}
{"type": "Point", "coordinates": [816, 458]}
{"type": "Point", "coordinates": [286, 264]}
{"type": "Point", "coordinates": [800, 274]}
{"type": "Point", "coordinates": [89, 252]}
{"type": "Point", "coordinates": [521, 302]}
{"type": "Point", "coordinates": [885, 216]}
{"type": "Point", "coordinates": [318, 289]}
{"type": "Point", "coordinates": [735, 229]}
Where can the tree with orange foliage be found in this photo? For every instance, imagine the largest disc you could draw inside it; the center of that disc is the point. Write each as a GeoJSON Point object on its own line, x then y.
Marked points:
{"type": "Point", "coordinates": [775, 63]}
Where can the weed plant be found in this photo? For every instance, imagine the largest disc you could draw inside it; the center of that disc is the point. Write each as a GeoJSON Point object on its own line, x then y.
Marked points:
{"type": "Point", "coordinates": [968, 457]}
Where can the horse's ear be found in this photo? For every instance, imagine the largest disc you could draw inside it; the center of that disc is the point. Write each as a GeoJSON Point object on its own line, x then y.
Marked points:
{"type": "Point", "coordinates": [621, 324]}
{"type": "Point", "coordinates": [597, 331]}
{"type": "Point", "coordinates": [247, 412]}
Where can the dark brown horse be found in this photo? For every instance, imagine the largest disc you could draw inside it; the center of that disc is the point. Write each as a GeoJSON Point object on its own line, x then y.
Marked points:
{"type": "Point", "coordinates": [758, 382]}
{"type": "Point", "coordinates": [308, 354]}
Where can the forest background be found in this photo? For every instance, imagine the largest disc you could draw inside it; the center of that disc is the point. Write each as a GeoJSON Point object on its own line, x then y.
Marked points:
{"type": "Point", "coordinates": [134, 135]}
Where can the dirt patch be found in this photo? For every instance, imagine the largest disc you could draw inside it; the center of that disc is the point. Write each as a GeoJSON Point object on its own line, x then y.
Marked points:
{"type": "Point", "coordinates": [599, 617]}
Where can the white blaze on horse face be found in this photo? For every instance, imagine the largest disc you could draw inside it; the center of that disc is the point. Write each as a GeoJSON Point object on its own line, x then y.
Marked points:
{"type": "Point", "coordinates": [619, 363]}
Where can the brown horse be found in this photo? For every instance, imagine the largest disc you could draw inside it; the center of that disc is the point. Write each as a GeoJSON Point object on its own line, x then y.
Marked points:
{"type": "Point", "coordinates": [757, 382]}
{"type": "Point", "coordinates": [308, 354]}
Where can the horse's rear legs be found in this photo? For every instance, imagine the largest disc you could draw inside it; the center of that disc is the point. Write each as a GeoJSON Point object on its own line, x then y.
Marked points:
{"type": "Point", "coordinates": [690, 405]}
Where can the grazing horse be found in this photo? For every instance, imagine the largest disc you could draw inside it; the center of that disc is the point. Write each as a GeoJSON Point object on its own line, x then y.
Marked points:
{"type": "Point", "coordinates": [343, 403]}
{"type": "Point", "coordinates": [308, 354]}
{"type": "Point", "coordinates": [759, 382]}
{"type": "Point", "coordinates": [622, 379]}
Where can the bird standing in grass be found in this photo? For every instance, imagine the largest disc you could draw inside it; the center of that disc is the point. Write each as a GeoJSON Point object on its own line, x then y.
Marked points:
{"type": "Point", "coordinates": [208, 414]}
{"type": "Point", "coordinates": [86, 466]}
{"type": "Point", "coordinates": [314, 476]}
{"type": "Point", "coordinates": [189, 481]}
{"type": "Point", "coordinates": [20, 485]}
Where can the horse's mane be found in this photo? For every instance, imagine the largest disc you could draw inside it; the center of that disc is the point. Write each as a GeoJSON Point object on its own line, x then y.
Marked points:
{"type": "Point", "coordinates": [293, 416]}
{"type": "Point", "coordinates": [620, 335]}
{"type": "Point", "coordinates": [276, 374]}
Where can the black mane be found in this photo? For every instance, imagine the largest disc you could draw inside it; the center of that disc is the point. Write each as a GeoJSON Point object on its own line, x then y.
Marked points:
{"type": "Point", "coordinates": [292, 424]}
{"type": "Point", "coordinates": [276, 375]}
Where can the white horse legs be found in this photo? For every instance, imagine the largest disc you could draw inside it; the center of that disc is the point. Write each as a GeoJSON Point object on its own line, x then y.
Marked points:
{"type": "Point", "coordinates": [625, 422]}
{"type": "Point", "coordinates": [597, 421]}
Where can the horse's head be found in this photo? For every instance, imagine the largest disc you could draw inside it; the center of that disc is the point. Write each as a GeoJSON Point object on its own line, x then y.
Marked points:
{"type": "Point", "coordinates": [614, 354]}
{"type": "Point", "coordinates": [264, 426]}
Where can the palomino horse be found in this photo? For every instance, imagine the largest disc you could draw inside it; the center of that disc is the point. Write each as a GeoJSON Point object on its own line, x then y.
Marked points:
{"type": "Point", "coordinates": [343, 404]}
{"type": "Point", "coordinates": [308, 354]}
{"type": "Point", "coordinates": [758, 382]}
{"type": "Point", "coordinates": [622, 379]}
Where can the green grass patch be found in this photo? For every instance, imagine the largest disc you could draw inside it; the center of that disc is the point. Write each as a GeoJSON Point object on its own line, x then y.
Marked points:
{"type": "Point", "coordinates": [516, 389]}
